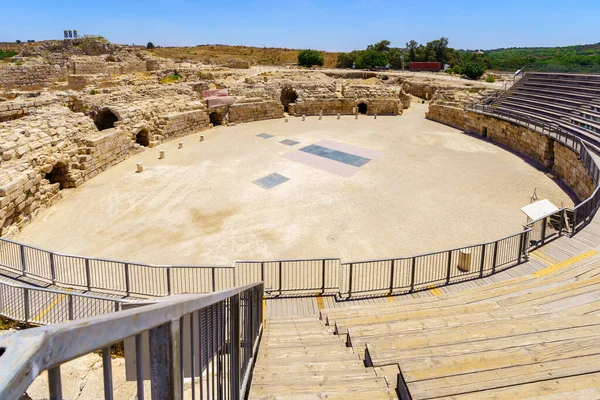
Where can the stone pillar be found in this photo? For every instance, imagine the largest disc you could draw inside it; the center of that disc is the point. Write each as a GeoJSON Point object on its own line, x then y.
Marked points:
{"type": "Point", "coordinates": [303, 117]}
{"type": "Point", "coordinates": [139, 167]}
{"type": "Point", "coordinates": [339, 116]}
{"type": "Point", "coordinates": [180, 145]}
{"type": "Point", "coordinates": [202, 138]}
{"type": "Point", "coordinates": [321, 115]}
{"type": "Point", "coordinates": [161, 155]}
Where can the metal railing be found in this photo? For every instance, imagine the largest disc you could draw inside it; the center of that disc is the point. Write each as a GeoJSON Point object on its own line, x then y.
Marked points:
{"type": "Point", "coordinates": [220, 333]}
{"type": "Point", "coordinates": [40, 306]}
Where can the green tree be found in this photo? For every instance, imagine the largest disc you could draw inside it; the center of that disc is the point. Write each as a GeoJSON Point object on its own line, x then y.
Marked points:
{"type": "Point", "coordinates": [395, 58]}
{"type": "Point", "coordinates": [473, 70]}
{"type": "Point", "coordinates": [309, 58]}
{"type": "Point", "coordinates": [370, 59]}
{"type": "Point", "coordinates": [382, 47]}
{"type": "Point", "coordinates": [345, 60]}
{"type": "Point", "coordinates": [150, 45]}
{"type": "Point", "coordinates": [412, 50]}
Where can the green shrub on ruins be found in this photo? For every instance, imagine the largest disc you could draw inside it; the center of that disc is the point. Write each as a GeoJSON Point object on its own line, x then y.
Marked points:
{"type": "Point", "coordinates": [309, 58]}
{"type": "Point", "coordinates": [7, 54]}
{"type": "Point", "coordinates": [370, 59]}
{"type": "Point", "coordinates": [473, 70]}
{"type": "Point", "coordinates": [490, 79]}
{"type": "Point", "coordinates": [150, 45]}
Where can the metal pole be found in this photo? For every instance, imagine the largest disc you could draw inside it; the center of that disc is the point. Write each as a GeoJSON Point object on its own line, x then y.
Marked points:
{"type": "Point", "coordinates": [54, 383]}
{"type": "Point", "coordinates": [126, 270]}
{"type": "Point", "coordinates": [545, 223]}
{"type": "Point", "coordinates": [449, 267]}
{"type": "Point", "coordinates": [350, 280]}
{"type": "Point", "coordinates": [234, 337]}
{"type": "Point", "coordinates": [280, 279]}
{"type": "Point", "coordinates": [26, 301]}
{"type": "Point", "coordinates": [412, 274]}
{"type": "Point", "coordinates": [107, 373]}
{"type": "Point", "coordinates": [323, 276]}
{"type": "Point", "coordinates": [52, 269]}
{"type": "Point", "coordinates": [139, 362]}
{"type": "Point", "coordinates": [71, 307]}
{"type": "Point", "coordinates": [169, 281]}
{"type": "Point", "coordinates": [482, 260]}
{"type": "Point", "coordinates": [494, 262]}
{"type": "Point", "coordinates": [392, 271]}
{"type": "Point", "coordinates": [214, 281]}
{"type": "Point", "coordinates": [87, 274]}
{"type": "Point", "coordinates": [23, 262]}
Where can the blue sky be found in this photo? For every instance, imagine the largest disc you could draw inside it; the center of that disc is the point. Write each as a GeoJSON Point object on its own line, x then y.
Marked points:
{"type": "Point", "coordinates": [326, 25]}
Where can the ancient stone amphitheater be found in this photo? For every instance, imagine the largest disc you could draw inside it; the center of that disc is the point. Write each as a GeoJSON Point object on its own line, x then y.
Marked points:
{"type": "Point", "coordinates": [507, 317]}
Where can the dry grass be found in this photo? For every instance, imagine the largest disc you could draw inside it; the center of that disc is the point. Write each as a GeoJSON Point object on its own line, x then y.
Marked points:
{"type": "Point", "coordinates": [216, 54]}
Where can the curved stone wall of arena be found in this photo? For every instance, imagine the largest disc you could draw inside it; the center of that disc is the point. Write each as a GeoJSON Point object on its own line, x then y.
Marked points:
{"type": "Point", "coordinates": [551, 154]}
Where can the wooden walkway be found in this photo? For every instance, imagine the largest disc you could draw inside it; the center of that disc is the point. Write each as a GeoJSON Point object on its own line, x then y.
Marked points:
{"type": "Point", "coordinates": [560, 253]}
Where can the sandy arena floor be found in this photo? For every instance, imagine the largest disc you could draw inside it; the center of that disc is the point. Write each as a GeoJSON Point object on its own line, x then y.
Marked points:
{"type": "Point", "coordinates": [434, 188]}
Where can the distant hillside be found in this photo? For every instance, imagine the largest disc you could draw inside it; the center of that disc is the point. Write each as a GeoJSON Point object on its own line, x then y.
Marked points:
{"type": "Point", "coordinates": [221, 54]}
{"type": "Point", "coordinates": [579, 58]}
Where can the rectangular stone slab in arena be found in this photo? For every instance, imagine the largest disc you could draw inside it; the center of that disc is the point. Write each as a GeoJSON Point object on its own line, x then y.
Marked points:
{"type": "Point", "coordinates": [334, 157]}
{"type": "Point", "coordinates": [289, 142]}
{"type": "Point", "coordinates": [270, 181]}
{"type": "Point", "coordinates": [264, 136]}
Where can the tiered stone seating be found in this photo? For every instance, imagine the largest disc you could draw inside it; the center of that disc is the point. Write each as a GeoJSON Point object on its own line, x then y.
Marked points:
{"type": "Point", "coordinates": [571, 101]}
{"type": "Point", "coordinates": [299, 358]}
{"type": "Point", "coordinates": [525, 337]}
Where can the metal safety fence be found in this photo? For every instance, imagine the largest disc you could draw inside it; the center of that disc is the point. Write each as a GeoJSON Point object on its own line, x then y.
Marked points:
{"type": "Point", "coordinates": [212, 339]}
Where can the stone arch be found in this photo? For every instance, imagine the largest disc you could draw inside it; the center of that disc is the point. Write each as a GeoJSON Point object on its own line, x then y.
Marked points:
{"type": "Point", "coordinates": [105, 119]}
{"type": "Point", "coordinates": [288, 95]}
{"type": "Point", "coordinates": [216, 118]}
{"type": "Point", "coordinates": [59, 174]}
{"type": "Point", "coordinates": [362, 108]}
{"type": "Point", "coordinates": [143, 137]}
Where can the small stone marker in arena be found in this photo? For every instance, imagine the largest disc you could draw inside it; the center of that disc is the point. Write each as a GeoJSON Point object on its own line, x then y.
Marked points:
{"type": "Point", "coordinates": [180, 145]}
{"type": "Point", "coordinates": [202, 138]}
{"type": "Point", "coordinates": [139, 167]}
{"type": "Point", "coordinates": [161, 155]}
{"type": "Point", "coordinates": [303, 117]}
{"type": "Point", "coordinates": [270, 181]}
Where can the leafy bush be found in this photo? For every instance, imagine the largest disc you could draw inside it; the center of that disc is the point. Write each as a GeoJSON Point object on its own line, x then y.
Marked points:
{"type": "Point", "coordinates": [174, 77]}
{"type": "Point", "coordinates": [308, 58]}
{"type": "Point", "coordinates": [7, 54]}
{"type": "Point", "coordinates": [150, 45]}
{"type": "Point", "coordinates": [344, 60]}
{"type": "Point", "coordinates": [473, 70]}
{"type": "Point", "coordinates": [370, 59]}
{"type": "Point", "coordinates": [490, 78]}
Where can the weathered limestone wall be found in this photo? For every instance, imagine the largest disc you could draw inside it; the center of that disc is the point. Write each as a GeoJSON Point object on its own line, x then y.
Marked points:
{"type": "Point", "coordinates": [563, 161]}
{"type": "Point", "coordinates": [420, 90]}
{"type": "Point", "coordinates": [255, 111]}
{"type": "Point", "coordinates": [568, 166]}
{"type": "Point", "coordinates": [181, 124]}
{"type": "Point", "coordinates": [327, 106]}
{"type": "Point", "coordinates": [31, 75]}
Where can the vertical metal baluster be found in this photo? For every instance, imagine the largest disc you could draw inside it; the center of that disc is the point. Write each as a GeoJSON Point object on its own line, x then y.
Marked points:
{"type": "Point", "coordinates": [54, 383]}
{"type": "Point", "coordinates": [192, 356]}
{"type": "Point", "coordinates": [139, 359]}
{"type": "Point", "coordinates": [107, 373]}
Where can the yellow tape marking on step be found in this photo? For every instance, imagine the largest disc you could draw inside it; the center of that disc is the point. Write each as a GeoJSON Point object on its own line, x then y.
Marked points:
{"type": "Point", "coordinates": [563, 264]}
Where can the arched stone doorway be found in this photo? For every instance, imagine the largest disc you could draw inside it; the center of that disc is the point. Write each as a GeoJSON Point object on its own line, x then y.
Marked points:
{"type": "Point", "coordinates": [216, 118]}
{"type": "Point", "coordinates": [59, 174]}
{"type": "Point", "coordinates": [288, 95]}
{"type": "Point", "coordinates": [105, 119]}
{"type": "Point", "coordinates": [143, 138]}
{"type": "Point", "coordinates": [362, 108]}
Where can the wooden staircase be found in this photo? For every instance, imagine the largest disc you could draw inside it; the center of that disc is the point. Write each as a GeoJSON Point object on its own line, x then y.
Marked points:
{"type": "Point", "coordinates": [529, 337]}
{"type": "Point", "coordinates": [300, 358]}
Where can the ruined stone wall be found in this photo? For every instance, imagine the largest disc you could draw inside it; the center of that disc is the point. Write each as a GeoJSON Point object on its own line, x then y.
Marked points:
{"type": "Point", "coordinates": [419, 89]}
{"type": "Point", "coordinates": [563, 161]}
{"type": "Point", "coordinates": [568, 166]}
{"type": "Point", "coordinates": [31, 75]}
{"type": "Point", "coordinates": [255, 111]}
{"type": "Point", "coordinates": [181, 124]}
{"type": "Point", "coordinates": [327, 106]}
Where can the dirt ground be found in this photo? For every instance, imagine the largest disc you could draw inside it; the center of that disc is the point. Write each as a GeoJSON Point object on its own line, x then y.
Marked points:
{"type": "Point", "coordinates": [434, 188]}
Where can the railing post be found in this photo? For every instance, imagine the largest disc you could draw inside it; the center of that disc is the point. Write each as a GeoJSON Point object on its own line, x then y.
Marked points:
{"type": "Point", "coordinates": [26, 302]}
{"type": "Point", "coordinates": [262, 271]}
{"type": "Point", "coordinates": [449, 267]}
{"type": "Point", "coordinates": [71, 314]}
{"type": "Point", "coordinates": [350, 280]}
{"type": "Point", "coordinates": [482, 264]}
{"type": "Point", "coordinates": [495, 260]}
{"type": "Point", "coordinates": [87, 274]}
{"type": "Point", "coordinates": [521, 246]}
{"type": "Point", "coordinates": [168, 281]}
{"type": "Point", "coordinates": [52, 269]}
{"type": "Point", "coordinates": [412, 274]}
{"type": "Point", "coordinates": [234, 356]}
{"type": "Point", "coordinates": [165, 372]}
{"type": "Point", "coordinates": [54, 383]}
{"type": "Point", "coordinates": [107, 373]}
{"type": "Point", "coordinates": [214, 280]}
{"type": "Point", "coordinates": [127, 283]}
{"type": "Point", "coordinates": [392, 272]}
{"type": "Point", "coordinates": [545, 223]}
{"type": "Point", "coordinates": [562, 223]}
{"type": "Point", "coordinates": [323, 276]}
{"type": "Point", "coordinates": [280, 279]}
{"type": "Point", "coordinates": [23, 262]}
